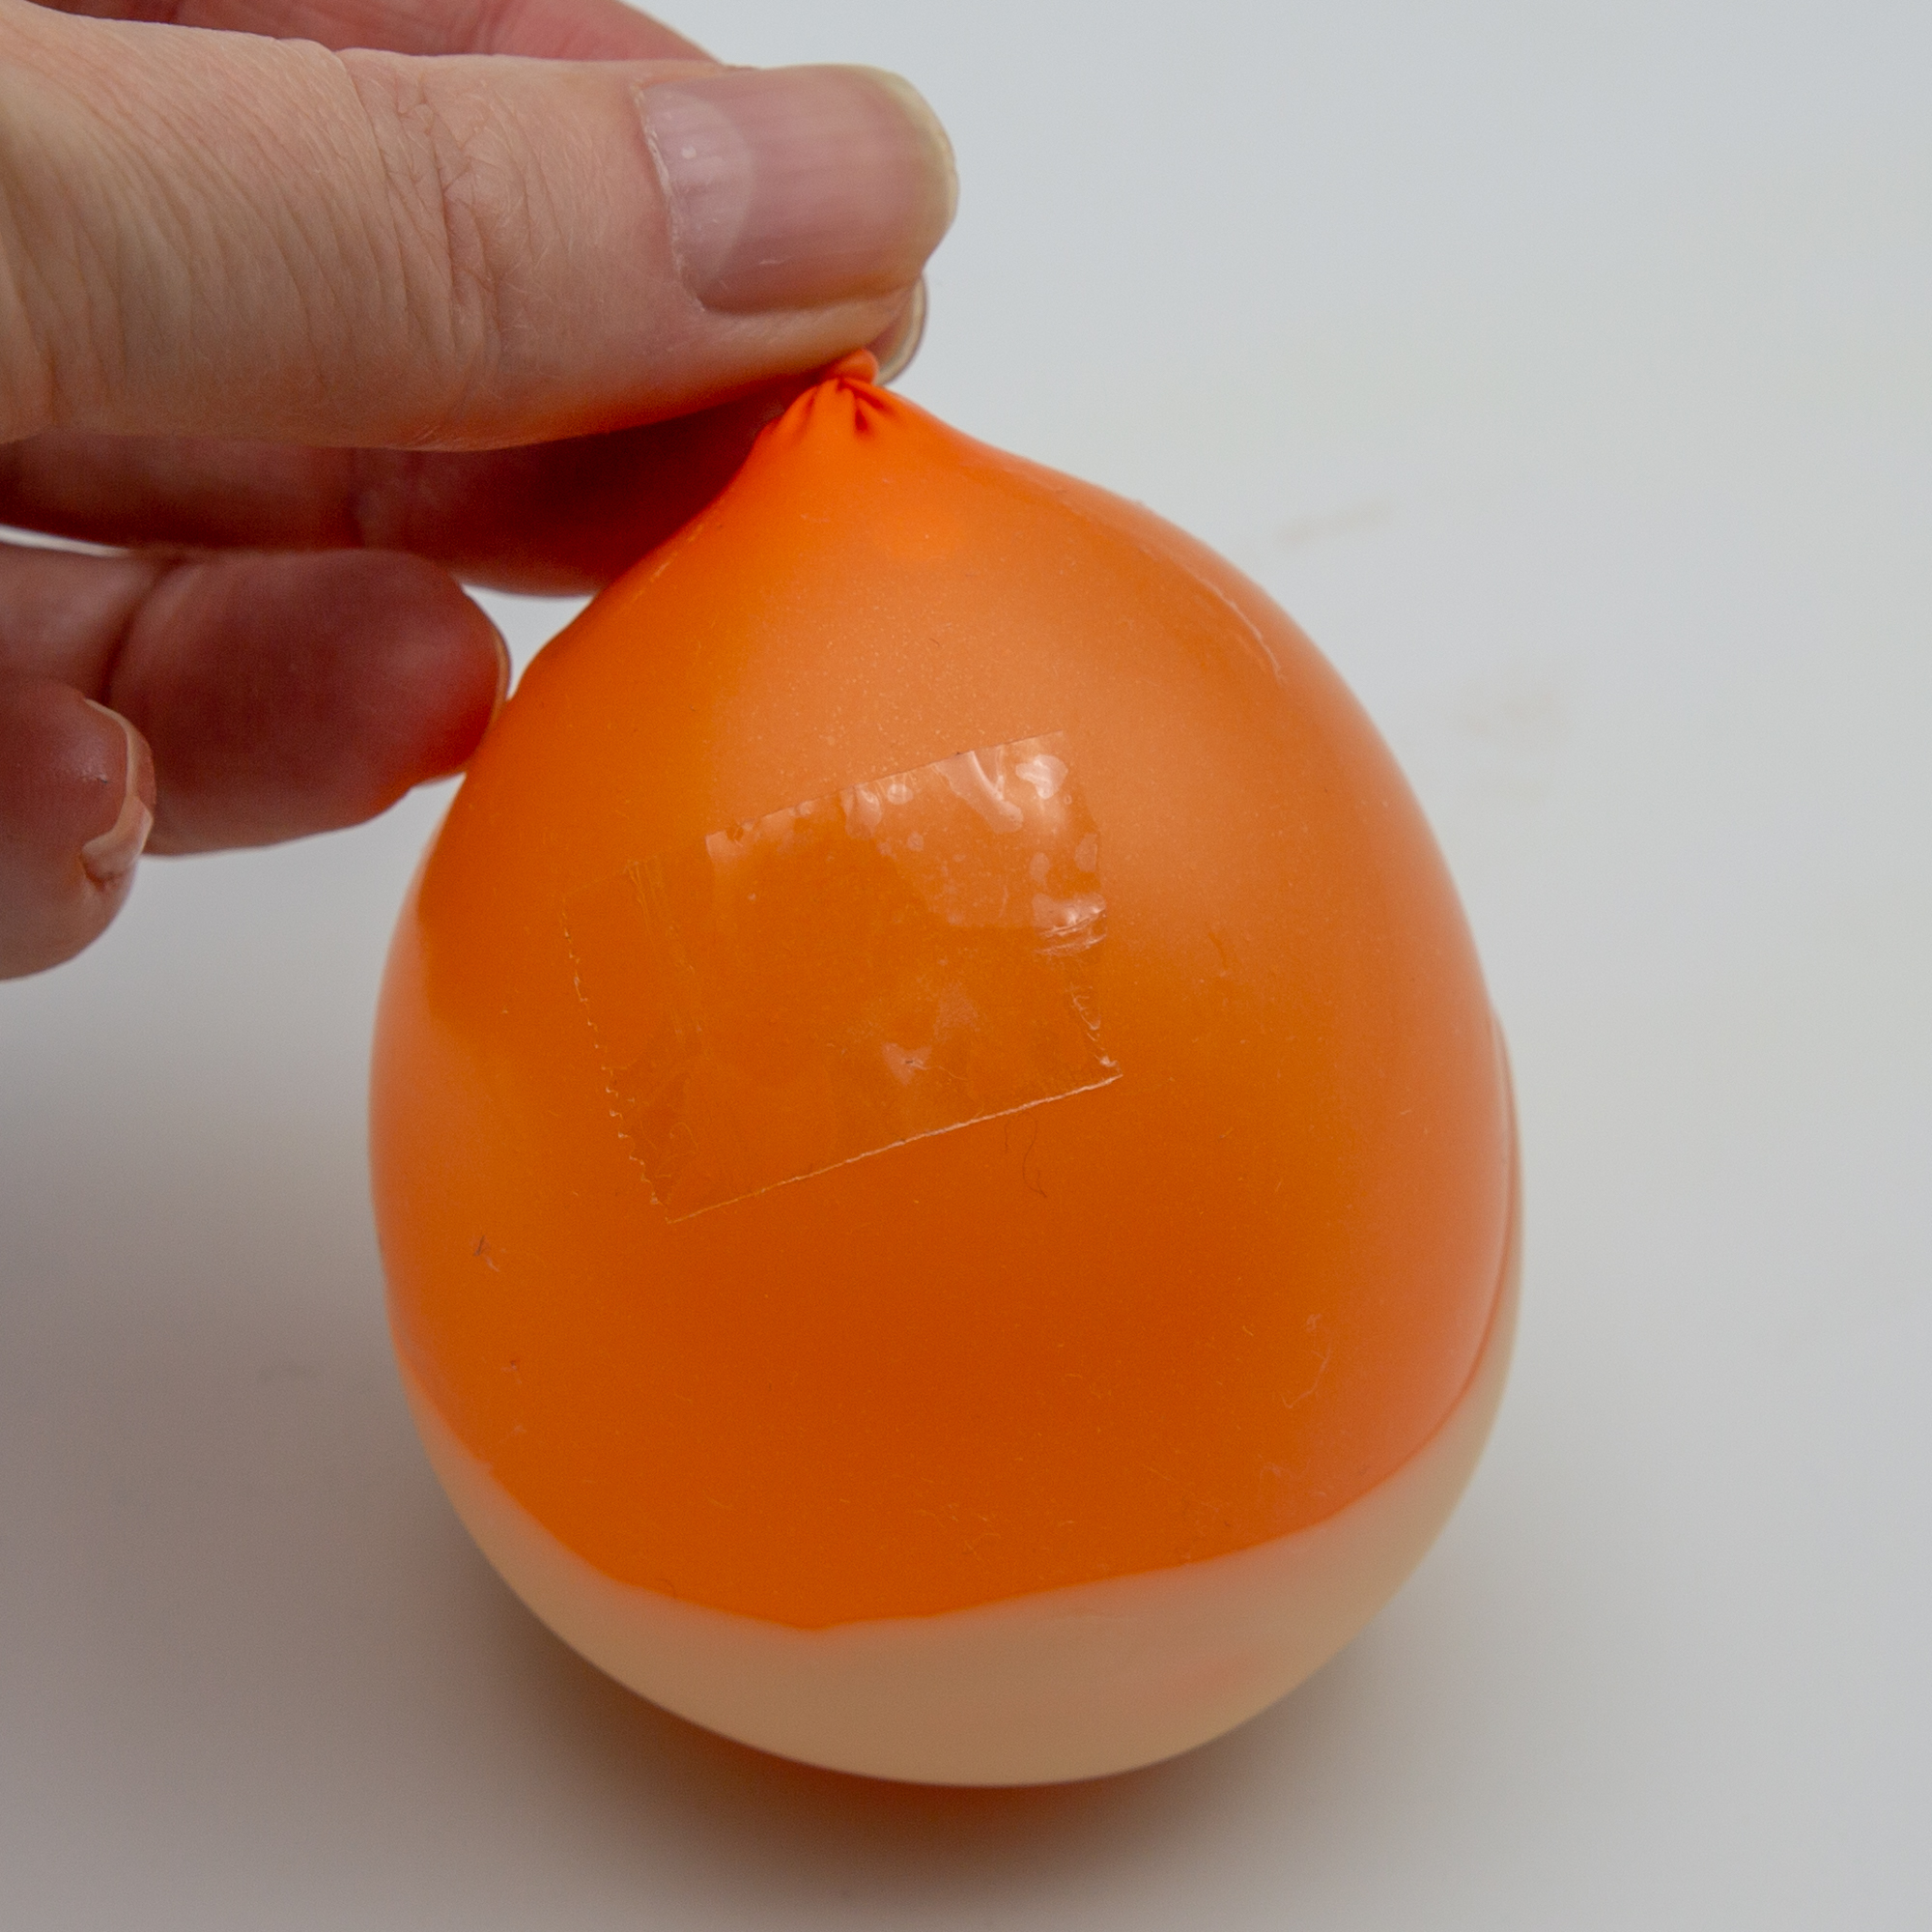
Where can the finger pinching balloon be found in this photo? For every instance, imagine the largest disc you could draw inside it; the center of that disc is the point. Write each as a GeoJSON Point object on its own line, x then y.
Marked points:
{"type": "Point", "coordinates": [945, 1172]}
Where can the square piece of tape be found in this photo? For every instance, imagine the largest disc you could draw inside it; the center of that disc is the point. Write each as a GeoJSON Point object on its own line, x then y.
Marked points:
{"type": "Point", "coordinates": [896, 960]}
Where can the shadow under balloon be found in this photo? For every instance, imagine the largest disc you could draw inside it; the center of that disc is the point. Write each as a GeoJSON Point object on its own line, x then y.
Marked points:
{"type": "Point", "coordinates": [775, 1827]}
{"type": "Point", "coordinates": [250, 1644]}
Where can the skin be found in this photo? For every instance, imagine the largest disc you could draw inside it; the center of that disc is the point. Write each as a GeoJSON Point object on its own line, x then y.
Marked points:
{"type": "Point", "coordinates": [312, 310]}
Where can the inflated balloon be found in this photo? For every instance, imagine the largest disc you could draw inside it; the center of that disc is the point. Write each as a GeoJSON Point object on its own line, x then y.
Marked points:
{"type": "Point", "coordinates": [946, 1171]}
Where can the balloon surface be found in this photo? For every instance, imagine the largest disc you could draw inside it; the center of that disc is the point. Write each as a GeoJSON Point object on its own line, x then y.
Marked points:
{"type": "Point", "coordinates": [945, 1168]}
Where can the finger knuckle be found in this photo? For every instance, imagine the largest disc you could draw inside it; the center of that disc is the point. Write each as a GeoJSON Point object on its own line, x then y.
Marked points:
{"type": "Point", "coordinates": [55, 328]}
{"type": "Point", "coordinates": [457, 179]}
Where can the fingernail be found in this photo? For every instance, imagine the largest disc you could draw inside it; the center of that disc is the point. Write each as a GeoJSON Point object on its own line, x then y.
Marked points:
{"type": "Point", "coordinates": [111, 855]}
{"type": "Point", "coordinates": [899, 344]}
{"type": "Point", "coordinates": [793, 187]}
{"type": "Point", "coordinates": [503, 669]}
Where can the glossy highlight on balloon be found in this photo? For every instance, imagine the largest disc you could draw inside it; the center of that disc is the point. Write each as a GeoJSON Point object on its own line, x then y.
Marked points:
{"type": "Point", "coordinates": [945, 1167]}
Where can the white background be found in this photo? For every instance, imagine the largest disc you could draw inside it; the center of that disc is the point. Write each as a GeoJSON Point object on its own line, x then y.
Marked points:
{"type": "Point", "coordinates": [1567, 369]}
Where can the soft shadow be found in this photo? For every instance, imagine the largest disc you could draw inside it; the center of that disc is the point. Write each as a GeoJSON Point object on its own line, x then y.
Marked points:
{"type": "Point", "coordinates": [254, 1656]}
{"type": "Point", "coordinates": [776, 1827]}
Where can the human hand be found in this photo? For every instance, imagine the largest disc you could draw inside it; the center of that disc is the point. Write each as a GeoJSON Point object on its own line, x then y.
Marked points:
{"type": "Point", "coordinates": [311, 328]}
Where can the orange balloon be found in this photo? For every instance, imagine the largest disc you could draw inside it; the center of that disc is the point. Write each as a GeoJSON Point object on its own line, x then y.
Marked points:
{"type": "Point", "coordinates": [945, 1168]}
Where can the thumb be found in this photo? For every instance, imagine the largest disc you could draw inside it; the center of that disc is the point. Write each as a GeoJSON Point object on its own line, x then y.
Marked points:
{"type": "Point", "coordinates": [223, 235]}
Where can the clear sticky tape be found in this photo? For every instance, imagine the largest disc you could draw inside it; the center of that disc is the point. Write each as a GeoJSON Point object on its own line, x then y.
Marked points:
{"type": "Point", "coordinates": [897, 959]}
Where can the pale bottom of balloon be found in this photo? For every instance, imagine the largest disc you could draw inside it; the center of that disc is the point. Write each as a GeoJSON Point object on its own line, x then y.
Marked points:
{"type": "Point", "coordinates": [1069, 1683]}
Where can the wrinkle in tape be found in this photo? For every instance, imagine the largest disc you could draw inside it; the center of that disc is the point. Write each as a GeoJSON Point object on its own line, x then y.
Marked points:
{"type": "Point", "coordinates": [897, 959]}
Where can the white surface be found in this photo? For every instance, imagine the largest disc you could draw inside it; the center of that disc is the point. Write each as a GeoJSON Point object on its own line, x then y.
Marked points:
{"type": "Point", "coordinates": [1566, 370]}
